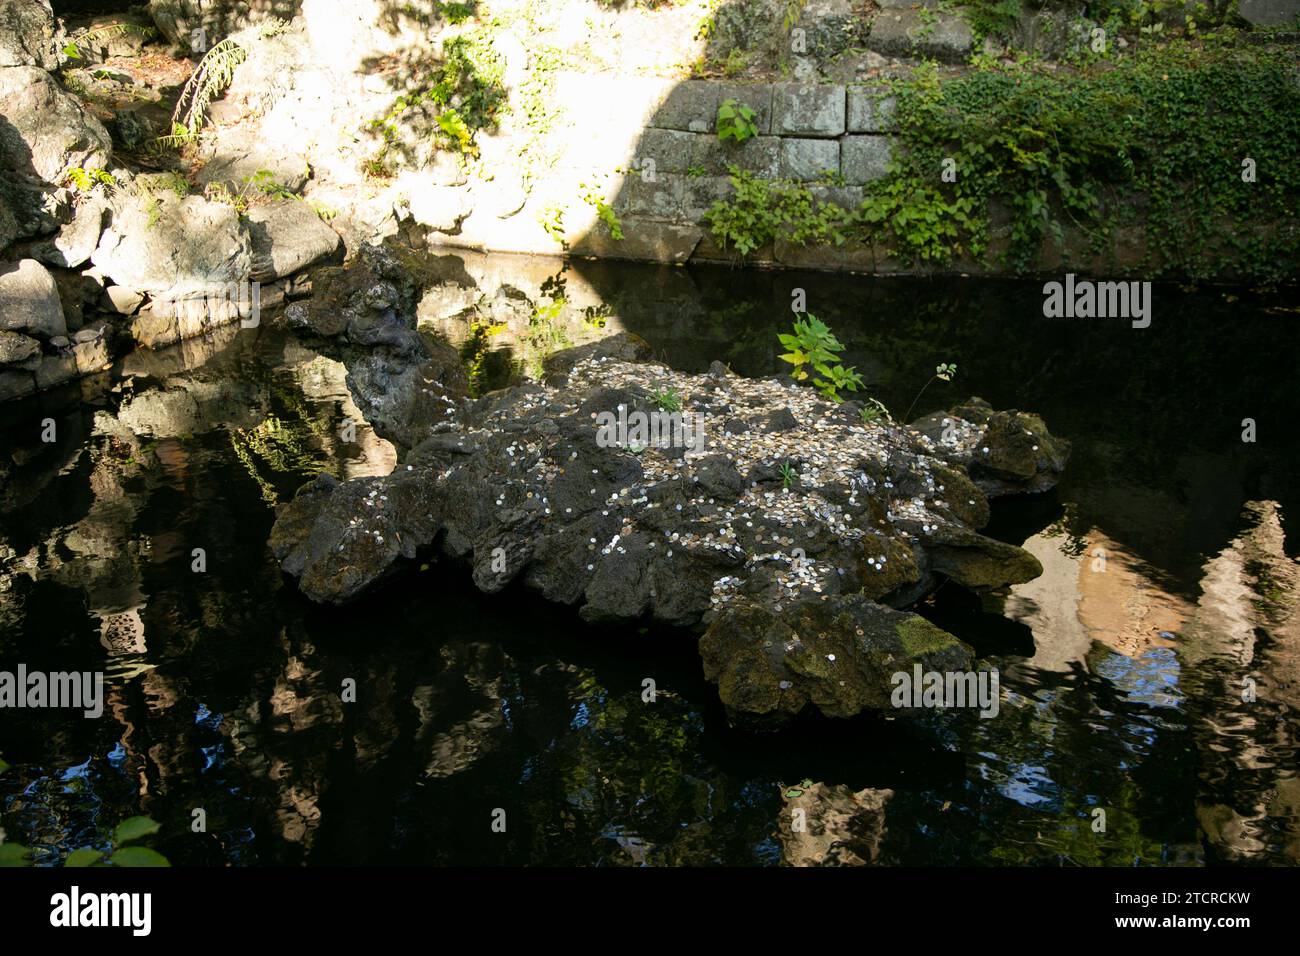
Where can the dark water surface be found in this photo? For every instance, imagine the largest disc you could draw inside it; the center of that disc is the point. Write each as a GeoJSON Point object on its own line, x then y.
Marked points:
{"type": "Point", "coordinates": [1122, 688]}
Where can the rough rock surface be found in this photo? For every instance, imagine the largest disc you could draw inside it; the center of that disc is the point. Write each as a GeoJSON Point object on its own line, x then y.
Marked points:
{"type": "Point", "coordinates": [78, 237]}
{"type": "Point", "coordinates": [43, 130]}
{"type": "Point", "coordinates": [27, 34]}
{"type": "Point", "coordinates": [1269, 13]}
{"type": "Point", "coordinates": [944, 36]}
{"type": "Point", "coordinates": [842, 828]}
{"type": "Point", "coordinates": [17, 349]}
{"type": "Point", "coordinates": [783, 528]}
{"type": "Point", "coordinates": [173, 248]}
{"type": "Point", "coordinates": [287, 236]}
{"type": "Point", "coordinates": [29, 300]}
{"type": "Point", "coordinates": [178, 19]}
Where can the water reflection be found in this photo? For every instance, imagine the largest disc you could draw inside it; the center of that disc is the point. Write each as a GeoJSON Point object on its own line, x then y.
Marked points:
{"type": "Point", "coordinates": [1124, 665]}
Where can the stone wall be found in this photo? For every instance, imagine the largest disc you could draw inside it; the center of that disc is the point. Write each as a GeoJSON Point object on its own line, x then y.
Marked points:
{"type": "Point", "coordinates": [650, 148]}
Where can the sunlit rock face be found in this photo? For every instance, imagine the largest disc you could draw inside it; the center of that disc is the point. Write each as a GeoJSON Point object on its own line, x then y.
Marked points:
{"type": "Point", "coordinates": [762, 512]}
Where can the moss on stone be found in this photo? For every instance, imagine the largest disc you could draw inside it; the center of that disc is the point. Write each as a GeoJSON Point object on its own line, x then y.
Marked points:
{"type": "Point", "coordinates": [919, 637]}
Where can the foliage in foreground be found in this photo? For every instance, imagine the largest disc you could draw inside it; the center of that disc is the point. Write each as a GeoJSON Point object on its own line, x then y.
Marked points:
{"type": "Point", "coordinates": [119, 853]}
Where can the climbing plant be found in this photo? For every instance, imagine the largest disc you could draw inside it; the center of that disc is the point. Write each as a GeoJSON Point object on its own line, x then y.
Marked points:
{"type": "Point", "coordinates": [1192, 144]}
{"type": "Point", "coordinates": [1159, 139]}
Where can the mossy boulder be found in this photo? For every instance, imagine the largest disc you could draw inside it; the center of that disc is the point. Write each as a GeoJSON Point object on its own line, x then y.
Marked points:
{"type": "Point", "coordinates": [837, 654]}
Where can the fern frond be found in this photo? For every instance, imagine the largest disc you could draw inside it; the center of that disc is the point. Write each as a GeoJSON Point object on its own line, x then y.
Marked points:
{"type": "Point", "coordinates": [175, 141]}
{"type": "Point", "coordinates": [206, 83]}
{"type": "Point", "coordinates": [94, 39]}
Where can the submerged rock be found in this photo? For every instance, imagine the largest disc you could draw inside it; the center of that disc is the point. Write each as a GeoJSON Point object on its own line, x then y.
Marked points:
{"type": "Point", "coordinates": [838, 827]}
{"type": "Point", "coordinates": [635, 491]}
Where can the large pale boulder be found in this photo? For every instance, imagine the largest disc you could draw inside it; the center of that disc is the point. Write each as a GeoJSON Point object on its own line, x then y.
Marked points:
{"type": "Point", "coordinates": [442, 208]}
{"type": "Point", "coordinates": [286, 237]}
{"type": "Point", "coordinates": [173, 248]}
{"type": "Point", "coordinates": [77, 238]}
{"type": "Point", "coordinates": [43, 130]}
{"type": "Point", "coordinates": [27, 36]}
{"type": "Point", "coordinates": [29, 300]}
{"type": "Point", "coordinates": [351, 35]}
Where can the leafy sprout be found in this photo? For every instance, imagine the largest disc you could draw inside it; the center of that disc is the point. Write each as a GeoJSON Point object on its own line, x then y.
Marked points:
{"type": "Point", "coordinates": [942, 372]}
{"type": "Point", "coordinates": [668, 399]}
{"type": "Point", "coordinates": [736, 121]}
{"type": "Point", "coordinates": [813, 348]}
{"type": "Point", "coordinates": [788, 475]}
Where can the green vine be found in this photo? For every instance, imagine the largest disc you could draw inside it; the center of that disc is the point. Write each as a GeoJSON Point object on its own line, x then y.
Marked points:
{"type": "Point", "coordinates": [1157, 141]}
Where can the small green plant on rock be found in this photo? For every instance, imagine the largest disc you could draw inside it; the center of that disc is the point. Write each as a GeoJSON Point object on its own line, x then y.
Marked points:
{"type": "Point", "coordinates": [873, 411]}
{"type": "Point", "coordinates": [551, 219]}
{"type": "Point", "coordinates": [736, 121]}
{"type": "Point", "coordinates": [85, 180]}
{"type": "Point", "coordinates": [667, 399]}
{"type": "Point", "coordinates": [206, 83]}
{"type": "Point", "coordinates": [759, 211]}
{"type": "Point", "coordinates": [90, 41]}
{"type": "Point", "coordinates": [462, 96]}
{"type": "Point", "coordinates": [813, 347]}
{"type": "Point", "coordinates": [788, 475]}
{"type": "Point", "coordinates": [261, 183]}
{"type": "Point", "coordinates": [943, 372]}
{"type": "Point", "coordinates": [604, 211]}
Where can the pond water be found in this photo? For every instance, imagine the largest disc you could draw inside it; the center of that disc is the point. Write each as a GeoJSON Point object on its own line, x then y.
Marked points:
{"type": "Point", "coordinates": [1167, 583]}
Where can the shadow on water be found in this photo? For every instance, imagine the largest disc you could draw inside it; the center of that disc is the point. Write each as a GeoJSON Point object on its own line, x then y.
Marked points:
{"type": "Point", "coordinates": [226, 689]}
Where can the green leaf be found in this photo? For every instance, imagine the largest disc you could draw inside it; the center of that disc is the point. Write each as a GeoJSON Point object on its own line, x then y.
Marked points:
{"type": "Point", "coordinates": [133, 829]}
{"type": "Point", "coordinates": [138, 856]}
{"type": "Point", "coordinates": [3, 766]}
{"type": "Point", "coordinates": [86, 856]}
{"type": "Point", "coordinates": [14, 854]}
